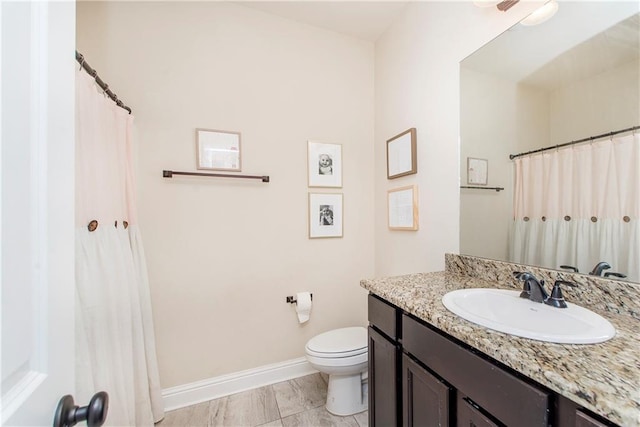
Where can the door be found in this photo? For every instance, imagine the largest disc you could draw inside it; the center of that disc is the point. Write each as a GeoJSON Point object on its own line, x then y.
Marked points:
{"type": "Point", "coordinates": [36, 209]}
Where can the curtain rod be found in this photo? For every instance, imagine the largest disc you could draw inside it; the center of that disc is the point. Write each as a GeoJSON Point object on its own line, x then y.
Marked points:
{"type": "Point", "coordinates": [591, 138]}
{"type": "Point", "coordinates": [93, 73]}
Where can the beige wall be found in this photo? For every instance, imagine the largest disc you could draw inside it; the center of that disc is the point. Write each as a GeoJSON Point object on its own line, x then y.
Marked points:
{"type": "Point", "coordinates": [602, 103]}
{"type": "Point", "coordinates": [222, 254]}
{"type": "Point", "coordinates": [417, 85]}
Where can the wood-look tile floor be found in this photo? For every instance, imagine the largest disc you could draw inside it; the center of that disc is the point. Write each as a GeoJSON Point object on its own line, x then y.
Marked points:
{"type": "Point", "coordinates": [294, 403]}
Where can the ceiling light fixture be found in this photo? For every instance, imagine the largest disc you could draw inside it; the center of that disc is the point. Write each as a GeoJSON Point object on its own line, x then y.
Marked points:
{"type": "Point", "coordinates": [541, 15]}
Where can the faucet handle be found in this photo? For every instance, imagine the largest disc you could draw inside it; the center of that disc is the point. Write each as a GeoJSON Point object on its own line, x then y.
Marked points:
{"type": "Point", "coordinates": [557, 299]}
{"type": "Point", "coordinates": [570, 267]}
{"type": "Point", "coordinates": [609, 273]}
{"type": "Point", "coordinates": [564, 282]}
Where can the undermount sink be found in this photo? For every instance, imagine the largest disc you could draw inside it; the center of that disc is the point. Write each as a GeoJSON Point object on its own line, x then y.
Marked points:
{"type": "Point", "coordinates": [504, 311]}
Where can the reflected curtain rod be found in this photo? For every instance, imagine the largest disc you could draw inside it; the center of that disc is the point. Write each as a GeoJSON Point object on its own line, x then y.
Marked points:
{"type": "Point", "coordinates": [498, 189]}
{"type": "Point", "coordinates": [105, 87]}
{"type": "Point", "coordinates": [591, 138]}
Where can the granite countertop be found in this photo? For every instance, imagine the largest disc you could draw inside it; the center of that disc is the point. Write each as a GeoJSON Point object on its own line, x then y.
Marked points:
{"type": "Point", "coordinates": [605, 378]}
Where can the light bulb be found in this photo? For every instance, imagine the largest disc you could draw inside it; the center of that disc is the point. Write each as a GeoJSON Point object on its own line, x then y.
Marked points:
{"type": "Point", "coordinates": [542, 14]}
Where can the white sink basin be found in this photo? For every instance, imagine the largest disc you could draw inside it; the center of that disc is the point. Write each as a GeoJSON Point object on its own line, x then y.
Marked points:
{"type": "Point", "coordinates": [504, 311]}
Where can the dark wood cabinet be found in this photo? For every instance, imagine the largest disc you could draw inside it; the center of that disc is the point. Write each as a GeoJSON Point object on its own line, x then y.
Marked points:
{"type": "Point", "coordinates": [425, 397]}
{"type": "Point", "coordinates": [584, 420]}
{"type": "Point", "coordinates": [383, 378]}
{"type": "Point", "coordinates": [419, 376]}
{"type": "Point", "coordinates": [470, 415]}
{"type": "Point", "coordinates": [384, 364]}
{"type": "Point", "coordinates": [508, 398]}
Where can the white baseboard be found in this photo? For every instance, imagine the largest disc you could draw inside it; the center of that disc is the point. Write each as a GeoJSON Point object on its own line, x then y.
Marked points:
{"type": "Point", "coordinates": [224, 385]}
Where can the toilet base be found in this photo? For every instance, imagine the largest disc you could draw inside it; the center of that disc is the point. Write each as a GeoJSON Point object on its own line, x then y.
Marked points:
{"type": "Point", "coordinates": [345, 395]}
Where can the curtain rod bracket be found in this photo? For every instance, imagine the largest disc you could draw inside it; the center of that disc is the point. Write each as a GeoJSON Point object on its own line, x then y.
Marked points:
{"type": "Point", "coordinates": [105, 87]}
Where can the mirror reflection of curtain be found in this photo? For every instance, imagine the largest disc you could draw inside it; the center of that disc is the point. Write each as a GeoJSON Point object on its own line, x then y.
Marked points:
{"type": "Point", "coordinates": [115, 344]}
{"type": "Point", "coordinates": [578, 206]}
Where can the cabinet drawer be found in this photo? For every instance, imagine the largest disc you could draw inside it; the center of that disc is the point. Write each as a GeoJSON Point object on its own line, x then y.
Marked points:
{"type": "Point", "coordinates": [383, 316]}
{"type": "Point", "coordinates": [584, 420]}
{"type": "Point", "coordinates": [508, 398]}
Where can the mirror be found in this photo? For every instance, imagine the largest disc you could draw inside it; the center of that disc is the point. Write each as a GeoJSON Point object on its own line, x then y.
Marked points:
{"type": "Point", "coordinates": [574, 76]}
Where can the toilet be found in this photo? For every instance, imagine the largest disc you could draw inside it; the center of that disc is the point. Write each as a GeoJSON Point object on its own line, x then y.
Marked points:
{"type": "Point", "coordinates": [342, 354]}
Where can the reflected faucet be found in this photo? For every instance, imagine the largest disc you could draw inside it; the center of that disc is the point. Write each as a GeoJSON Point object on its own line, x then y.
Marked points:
{"type": "Point", "coordinates": [599, 268]}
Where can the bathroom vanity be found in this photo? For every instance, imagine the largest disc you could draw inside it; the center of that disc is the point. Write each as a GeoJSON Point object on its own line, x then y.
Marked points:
{"type": "Point", "coordinates": [429, 367]}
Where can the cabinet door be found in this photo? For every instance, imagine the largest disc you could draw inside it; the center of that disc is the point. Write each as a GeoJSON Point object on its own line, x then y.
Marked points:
{"type": "Point", "coordinates": [469, 416]}
{"type": "Point", "coordinates": [383, 381]}
{"type": "Point", "coordinates": [426, 398]}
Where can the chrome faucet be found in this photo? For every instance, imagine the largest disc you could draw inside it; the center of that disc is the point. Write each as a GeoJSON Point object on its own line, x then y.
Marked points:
{"type": "Point", "coordinates": [599, 268]}
{"type": "Point", "coordinates": [534, 290]}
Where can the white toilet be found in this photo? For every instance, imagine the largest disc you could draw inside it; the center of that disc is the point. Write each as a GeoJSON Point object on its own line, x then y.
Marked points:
{"type": "Point", "coordinates": [342, 353]}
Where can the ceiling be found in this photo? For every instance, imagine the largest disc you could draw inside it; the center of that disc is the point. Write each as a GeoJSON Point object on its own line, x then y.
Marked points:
{"type": "Point", "coordinates": [365, 20]}
{"type": "Point", "coordinates": [581, 40]}
{"type": "Point", "coordinates": [524, 54]}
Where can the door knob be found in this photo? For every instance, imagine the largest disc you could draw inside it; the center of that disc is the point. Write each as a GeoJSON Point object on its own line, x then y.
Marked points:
{"type": "Point", "coordinates": [69, 414]}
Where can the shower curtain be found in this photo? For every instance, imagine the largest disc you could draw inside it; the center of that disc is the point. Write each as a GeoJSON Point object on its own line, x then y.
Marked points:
{"type": "Point", "coordinates": [578, 206]}
{"type": "Point", "coordinates": [115, 344]}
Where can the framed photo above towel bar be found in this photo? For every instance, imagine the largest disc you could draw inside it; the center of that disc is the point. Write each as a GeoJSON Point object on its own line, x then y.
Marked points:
{"type": "Point", "coordinates": [218, 150]}
{"type": "Point", "coordinates": [401, 154]}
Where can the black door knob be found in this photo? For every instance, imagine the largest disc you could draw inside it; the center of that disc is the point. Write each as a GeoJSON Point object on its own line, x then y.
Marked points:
{"type": "Point", "coordinates": [69, 414]}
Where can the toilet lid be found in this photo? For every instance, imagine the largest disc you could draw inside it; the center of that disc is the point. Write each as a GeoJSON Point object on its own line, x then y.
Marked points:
{"type": "Point", "coordinates": [339, 342]}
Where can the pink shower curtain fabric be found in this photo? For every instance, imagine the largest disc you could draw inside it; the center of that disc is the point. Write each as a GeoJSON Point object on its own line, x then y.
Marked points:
{"type": "Point", "coordinates": [115, 344]}
{"type": "Point", "coordinates": [578, 206]}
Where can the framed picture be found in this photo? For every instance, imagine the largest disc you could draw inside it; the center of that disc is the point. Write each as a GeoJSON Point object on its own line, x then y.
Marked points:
{"type": "Point", "coordinates": [403, 208]}
{"type": "Point", "coordinates": [324, 164]}
{"type": "Point", "coordinates": [401, 154]}
{"type": "Point", "coordinates": [477, 171]}
{"type": "Point", "coordinates": [325, 215]}
{"type": "Point", "coordinates": [218, 150]}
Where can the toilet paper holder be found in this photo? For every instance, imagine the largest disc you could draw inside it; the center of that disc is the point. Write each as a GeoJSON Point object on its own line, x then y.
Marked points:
{"type": "Point", "coordinates": [291, 299]}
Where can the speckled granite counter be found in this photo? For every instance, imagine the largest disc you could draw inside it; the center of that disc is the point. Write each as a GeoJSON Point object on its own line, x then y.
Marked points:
{"type": "Point", "coordinates": [604, 378]}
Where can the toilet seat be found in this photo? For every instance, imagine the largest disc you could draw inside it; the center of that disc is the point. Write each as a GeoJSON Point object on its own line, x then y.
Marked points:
{"type": "Point", "coordinates": [343, 355]}
{"type": "Point", "coordinates": [339, 343]}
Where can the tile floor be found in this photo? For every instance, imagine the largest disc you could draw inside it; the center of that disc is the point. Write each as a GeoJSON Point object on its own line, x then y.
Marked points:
{"type": "Point", "coordinates": [294, 403]}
